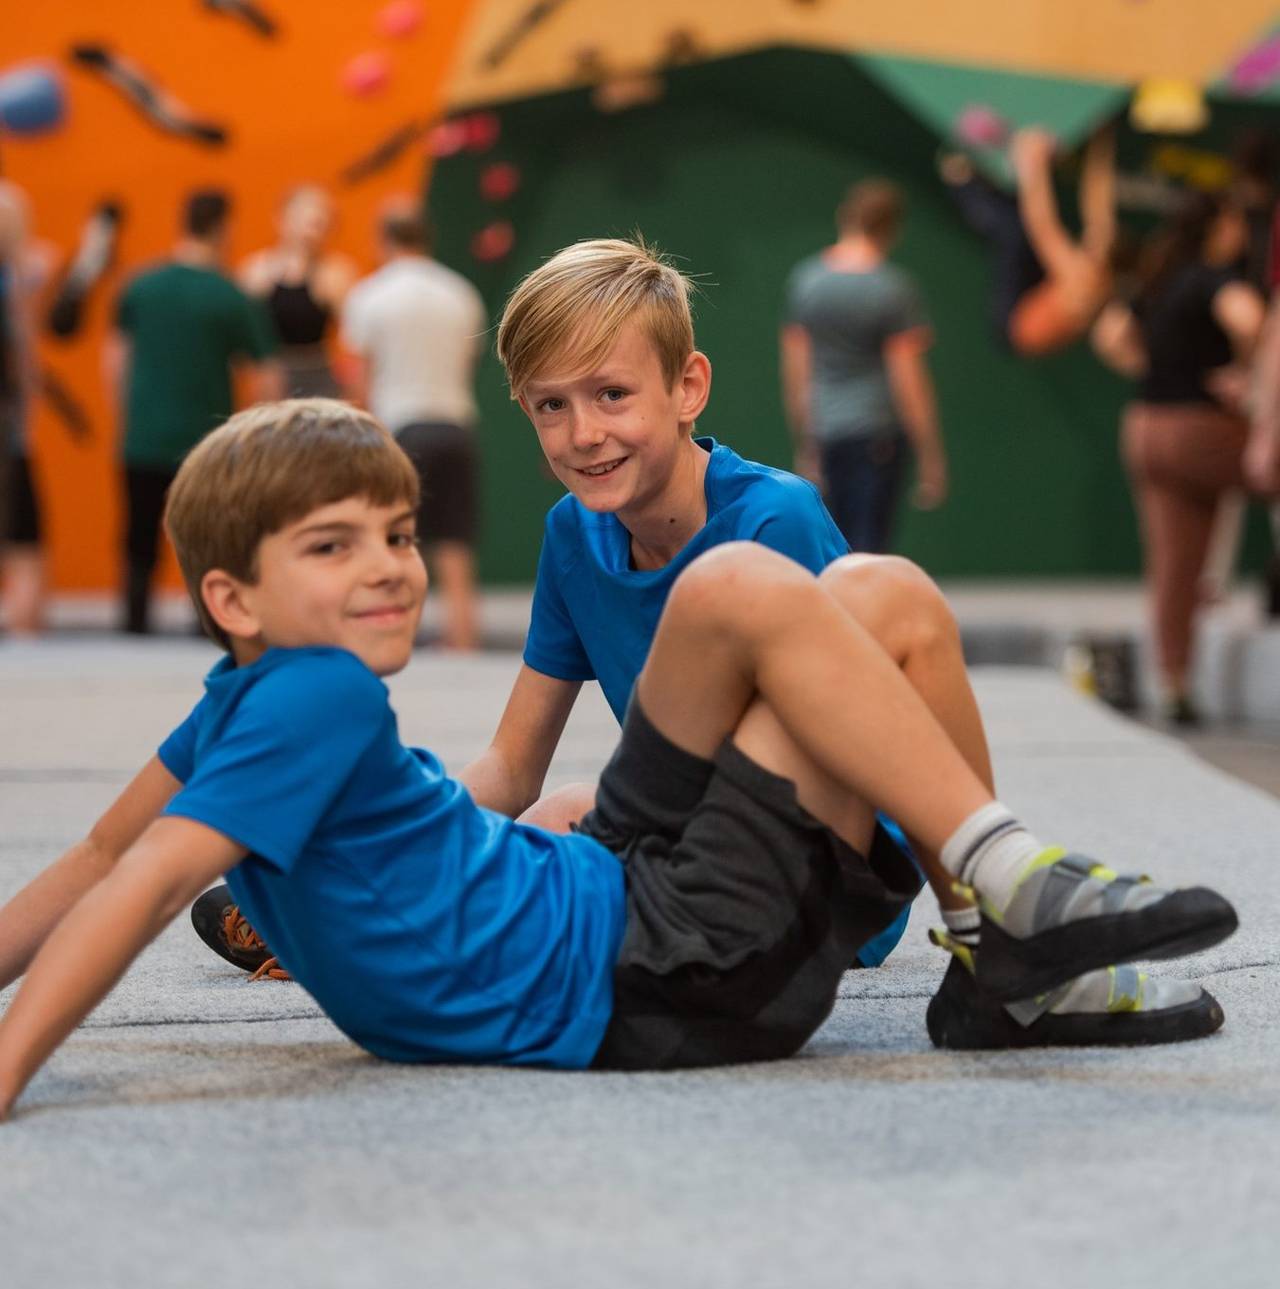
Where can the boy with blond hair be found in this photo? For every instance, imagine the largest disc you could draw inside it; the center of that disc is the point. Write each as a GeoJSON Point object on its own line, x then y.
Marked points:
{"type": "Point", "coordinates": [706, 908]}
{"type": "Point", "coordinates": [599, 349]}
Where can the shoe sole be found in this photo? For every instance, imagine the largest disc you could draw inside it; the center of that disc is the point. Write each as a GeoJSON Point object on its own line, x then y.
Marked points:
{"type": "Point", "coordinates": [206, 917]}
{"type": "Point", "coordinates": [1183, 922]}
{"type": "Point", "coordinates": [988, 1031]}
{"type": "Point", "coordinates": [961, 1025]}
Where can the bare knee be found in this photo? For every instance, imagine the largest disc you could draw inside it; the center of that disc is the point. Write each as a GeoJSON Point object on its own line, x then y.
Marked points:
{"type": "Point", "coordinates": [740, 585]}
{"type": "Point", "coordinates": [895, 600]}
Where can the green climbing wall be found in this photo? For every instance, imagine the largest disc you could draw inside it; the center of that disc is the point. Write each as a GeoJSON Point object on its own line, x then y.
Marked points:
{"type": "Point", "coordinates": [737, 171]}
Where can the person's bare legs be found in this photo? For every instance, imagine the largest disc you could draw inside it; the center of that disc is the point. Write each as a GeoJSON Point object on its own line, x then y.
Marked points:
{"type": "Point", "coordinates": [1077, 269]}
{"type": "Point", "coordinates": [743, 621]}
{"type": "Point", "coordinates": [1224, 548]}
{"type": "Point", "coordinates": [1098, 196]}
{"type": "Point", "coordinates": [22, 579]}
{"type": "Point", "coordinates": [454, 568]}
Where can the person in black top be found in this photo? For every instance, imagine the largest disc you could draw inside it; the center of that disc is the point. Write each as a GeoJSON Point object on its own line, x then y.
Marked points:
{"type": "Point", "coordinates": [1187, 338]}
{"type": "Point", "coordinates": [303, 286]}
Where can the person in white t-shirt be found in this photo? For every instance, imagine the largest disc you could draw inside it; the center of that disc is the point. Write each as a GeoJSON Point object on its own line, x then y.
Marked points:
{"type": "Point", "coordinates": [414, 331]}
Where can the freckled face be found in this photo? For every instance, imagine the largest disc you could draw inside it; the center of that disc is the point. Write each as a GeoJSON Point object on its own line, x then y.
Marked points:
{"type": "Point", "coordinates": [348, 574]}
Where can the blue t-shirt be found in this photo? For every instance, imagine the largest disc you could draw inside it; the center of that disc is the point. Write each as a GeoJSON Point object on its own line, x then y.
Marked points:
{"type": "Point", "coordinates": [594, 616]}
{"type": "Point", "coordinates": [427, 928]}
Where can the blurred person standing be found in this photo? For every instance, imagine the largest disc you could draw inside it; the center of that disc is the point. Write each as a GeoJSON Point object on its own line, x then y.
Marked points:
{"type": "Point", "coordinates": [302, 286]}
{"type": "Point", "coordinates": [22, 578]}
{"type": "Point", "coordinates": [414, 331]}
{"type": "Point", "coordinates": [1186, 338]}
{"type": "Point", "coordinates": [181, 329]}
{"type": "Point", "coordinates": [856, 387]}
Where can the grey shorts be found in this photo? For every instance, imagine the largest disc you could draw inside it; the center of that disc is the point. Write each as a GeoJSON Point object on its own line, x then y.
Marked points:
{"type": "Point", "coordinates": [743, 910]}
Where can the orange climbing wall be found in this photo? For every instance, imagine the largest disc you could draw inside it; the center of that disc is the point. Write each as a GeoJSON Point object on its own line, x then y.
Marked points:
{"type": "Point", "coordinates": [289, 121]}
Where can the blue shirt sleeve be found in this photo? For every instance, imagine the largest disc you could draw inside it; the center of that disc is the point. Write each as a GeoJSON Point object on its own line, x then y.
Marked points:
{"type": "Point", "coordinates": [284, 754]}
{"type": "Point", "coordinates": [802, 529]}
{"type": "Point", "coordinates": [178, 752]}
{"type": "Point", "coordinates": [553, 645]}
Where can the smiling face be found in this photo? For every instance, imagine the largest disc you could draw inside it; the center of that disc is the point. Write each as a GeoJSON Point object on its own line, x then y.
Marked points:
{"type": "Point", "coordinates": [614, 435]}
{"type": "Point", "coordinates": [348, 574]}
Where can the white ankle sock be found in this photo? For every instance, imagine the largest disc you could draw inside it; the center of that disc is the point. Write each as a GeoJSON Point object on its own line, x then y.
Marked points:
{"type": "Point", "coordinates": [964, 924]}
{"type": "Point", "coordinates": [990, 852]}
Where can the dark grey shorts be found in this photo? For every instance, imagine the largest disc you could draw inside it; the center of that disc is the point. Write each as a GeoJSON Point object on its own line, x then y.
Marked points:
{"type": "Point", "coordinates": [444, 456]}
{"type": "Point", "coordinates": [743, 910]}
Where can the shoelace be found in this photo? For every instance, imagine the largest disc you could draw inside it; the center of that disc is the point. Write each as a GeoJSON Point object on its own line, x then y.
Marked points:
{"type": "Point", "coordinates": [241, 936]}
{"type": "Point", "coordinates": [271, 968]}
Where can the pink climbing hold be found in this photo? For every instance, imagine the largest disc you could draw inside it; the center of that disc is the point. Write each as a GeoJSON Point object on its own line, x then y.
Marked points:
{"type": "Point", "coordinates": [493, 242]}
{"type": "Point", "coordinates": [1257, 69]}
{"type": "Point", "coordinates": [400, 18]}
{"type": "Point", "coordinates": [499, 181]}
{"type": "Point", "coordinates": [367, 74]}
{"type": "Point", "coordinates": [483, 129]}
{"type": "Point", "coordinates": [981, 127]}
{"type": "Point", "coordinates": [447, 139]}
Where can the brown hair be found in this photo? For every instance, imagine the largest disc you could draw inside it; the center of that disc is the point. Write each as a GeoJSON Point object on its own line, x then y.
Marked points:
{"type": "Point", "coordinates": [874, 207]}
{"type": "Point", "coordinates": [267, 467]}
{"type": "Point", "coordinates": [571, 309]}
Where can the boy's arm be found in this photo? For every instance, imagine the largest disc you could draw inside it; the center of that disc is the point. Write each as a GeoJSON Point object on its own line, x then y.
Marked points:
{"type": "Point", "coordinates": [796, 367]}
{"type": "Point", "coordinates": [913, 396]}
{"type": "Point", "coordinates": [31, 915]}
{"type": "Point", "coordinates": [508, 775]}
{"type": "Point", "coordinates": [159, 875]}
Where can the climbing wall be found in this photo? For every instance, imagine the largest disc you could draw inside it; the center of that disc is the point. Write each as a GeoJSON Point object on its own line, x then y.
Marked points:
{"type": "Point", "coordinates": [160, 96]}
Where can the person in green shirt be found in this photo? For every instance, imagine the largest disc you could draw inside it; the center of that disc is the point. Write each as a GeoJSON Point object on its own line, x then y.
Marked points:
{"type": "Point", "coordinates": [181, 328]}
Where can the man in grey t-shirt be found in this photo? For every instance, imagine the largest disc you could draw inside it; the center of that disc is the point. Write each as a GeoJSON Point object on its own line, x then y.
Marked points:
{"type": "Point", "coordinates": [856, 387]}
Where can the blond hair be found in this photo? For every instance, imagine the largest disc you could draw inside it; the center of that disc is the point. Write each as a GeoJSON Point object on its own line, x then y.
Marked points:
{"type": "Point", "coordinates": [569, 311]}
{"type": "Point", "coordinates": [267, 467]}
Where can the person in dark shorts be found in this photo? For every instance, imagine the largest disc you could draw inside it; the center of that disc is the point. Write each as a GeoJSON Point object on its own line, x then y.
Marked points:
{"type": "Point", "coordinates": [739, 868]}
{"type": "Point", "coordinates": [414, 330]}
{"type": "Point", "coordinates": [181, 327]}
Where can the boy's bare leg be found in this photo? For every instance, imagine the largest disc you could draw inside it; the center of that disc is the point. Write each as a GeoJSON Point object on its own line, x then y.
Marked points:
{"type": "Point", "coordinates": [751, 645]}
{"type": "Point", "coordinates": [559, 809]}
{"type": "Point", "coordinates": [909, 618]}
{"type": "Point", "coordinates": [743, 621]}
